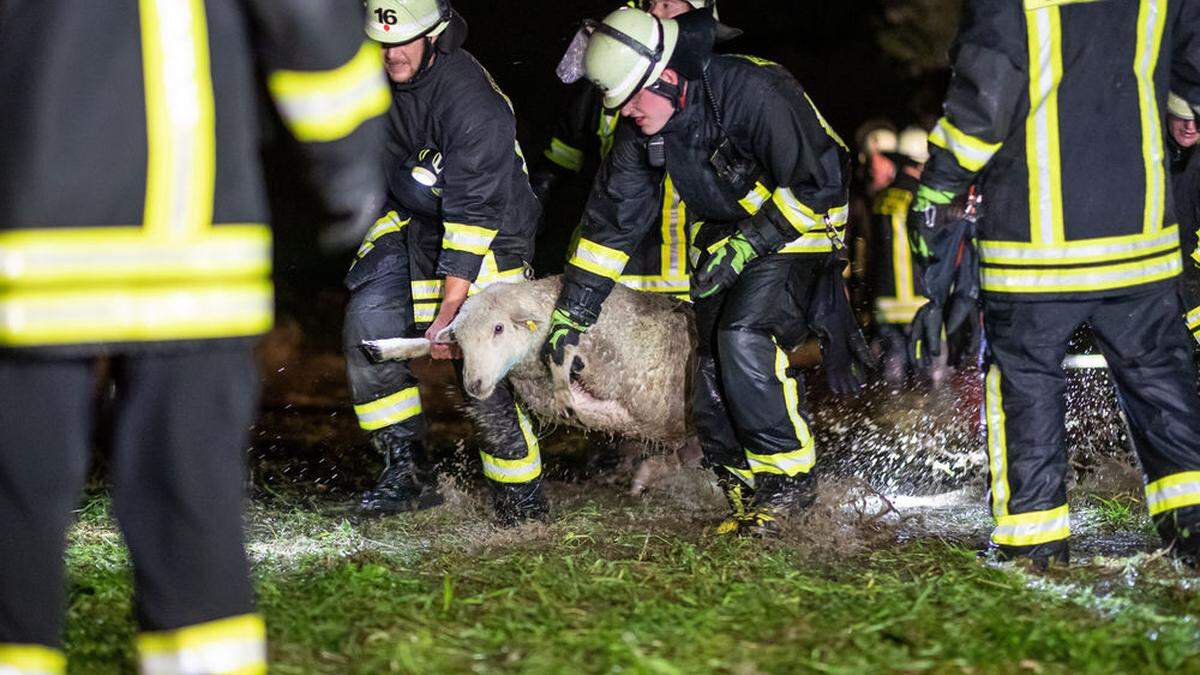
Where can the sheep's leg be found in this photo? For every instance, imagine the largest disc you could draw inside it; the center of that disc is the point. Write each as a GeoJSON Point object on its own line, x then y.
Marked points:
{"type": "Point", "coordinates": [395, 349]}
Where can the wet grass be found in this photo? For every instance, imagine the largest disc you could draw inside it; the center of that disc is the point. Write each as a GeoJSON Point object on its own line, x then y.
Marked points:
{"type": "Point", "coordinates": [615, 584]}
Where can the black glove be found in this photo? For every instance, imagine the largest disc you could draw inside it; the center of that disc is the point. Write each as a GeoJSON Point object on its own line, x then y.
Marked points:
{"type": "Point", "coordinates": [845, 355]}
{"type": "Point", "coordinates": [931, 211]}
{"type": "Point", "coordinates": [564, 331]}
{"type": "Point", "coordinates": [953, 267]}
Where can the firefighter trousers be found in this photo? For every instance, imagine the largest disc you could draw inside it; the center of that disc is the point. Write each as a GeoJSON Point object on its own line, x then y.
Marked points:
{"type": "Point", "coordinates": [749, 405]}
{"type": "Point", "coordinates": [180, 427]}
{"type": "Point", "coordinates": [1150, 358]}
{"type": "Point", "coordinates": [385, 395]}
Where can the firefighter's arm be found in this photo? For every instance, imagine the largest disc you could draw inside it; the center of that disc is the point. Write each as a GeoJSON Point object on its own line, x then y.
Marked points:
{"type": "Point", "coordinates": [1185, 62]}
{"type": "Point", "coordinates": [808, 163]}
{"type": "Point", "coordinates": [478, 148]}
{"type": "Point", "coordinates": [990, 72]}
{"type": "Point", "coordinates": [622, 207]}
{"type": "Point", "coordinates": [327, 85]}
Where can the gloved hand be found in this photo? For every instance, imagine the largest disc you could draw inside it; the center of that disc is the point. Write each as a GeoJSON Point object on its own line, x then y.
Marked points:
{"type": "Point", "coordinates": [722, 269]}
{"type": "Point", "coordinates": [564, 331]}
{"type": "Point", "coordinates": [845, 356]}
{"type": "Point", "coordinates": [931, 210]}
{"type": "Point", "coordinates": [925, 335]}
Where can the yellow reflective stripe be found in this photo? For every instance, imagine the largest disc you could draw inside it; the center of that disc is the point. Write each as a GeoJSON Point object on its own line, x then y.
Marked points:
{"type": "Point", "coordinates": [234, 645]}
{"type": "Point", "coordinates": [425, 312]}
{"type": "Point", "coordinates": [744, 475]}
{"type": "Point", "coordinates": [186, 310]}
{"type": "Point", "coordinates": [1173, 492]}
{"type": "Point", "coordinates": [797, 213]}
{"type": "Point", "coordinates": [825, 124]}
{"type": "Point", "coordinates": [804, 457]}
{"type": "Point", "coordinates": [902, 270]}
{"type": "Point", "coordinates": [1042, 152]}
{"type": "Point", "coordinates": [91, 255]}
{"type": "Point", "coordinates": [997, 442]}
{"type": "Point", "coordinates": [469, 238]}
{"type": "Point", "coordinates": [599, 259]}
{"type": "Point", "coordinates": [180, 127]}
{"type": "Point", "coordinates": [489, 274]}
{"type": "Point", "coordinates": [672, 277]}
{"type": "Point", "coordinates": [1039, 4]}
{"type": "Point", "coordinates": [1102, 277]}
{"type": "Point", "coordinates": [1081, 251]}
{"type": "Point", "coordinates": [26, 659]}
{"type": "Point", "coordinates": [1193, 319]}
{"type": "Point", "coordinates": [897, 310]}
{"type": "Point", "coordinates": [815, 241]}
{"type": "Point", "coordinates": [564, 155]}
{"type": "Point", "coordinates": [325, 105]}
{"type": "Point", "coordinates": [392, 409]}
{"type": "Point", "coordinates": [606, 129]}
{"type": "Point", "coordinates": [971, 152]}
{"type": "Point", "coordinates": [388, 224]}
{"type": "Point", "coordinates": [520, 470]}
{"type": "Point", "coordinates": [1152, 17]}
{"type": "Point", "coordinates": [1033, 528]}
{"type": "Point", "coordinates": [427, 289]}
{"type": "Point", "coordinates": [755, 198]}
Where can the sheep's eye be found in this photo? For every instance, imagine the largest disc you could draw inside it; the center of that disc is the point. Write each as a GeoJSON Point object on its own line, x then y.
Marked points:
{"type": "Point", "coordinates": [498, 329]}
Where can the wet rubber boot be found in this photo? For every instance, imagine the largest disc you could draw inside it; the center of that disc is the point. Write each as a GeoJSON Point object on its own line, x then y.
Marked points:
{"type": "Point", "coordinates": [738, 495]}
{"type": "Point", "coordinates": [1180, 529]}
{"type": "Point", "coordinates": [1040, 556]}
{"type": "Point", "coordinates": [400, 487]}
{"type": "Point", "coordinates": [517, 503]}
{"type": "Point", "coordinates": [777, 496]}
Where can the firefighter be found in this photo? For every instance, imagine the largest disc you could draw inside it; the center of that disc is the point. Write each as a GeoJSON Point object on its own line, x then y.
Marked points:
{"type": "Point", "coordinates": [894, 285]}
{"type": "Point", "coordinates": [1185, 186]}
{"type": "Point", "coordinates": [755, 161]}
{"type": "Point", "coordinates": [132, 227]}
{"type": "Point", "coordinates": [1076, 225]}
{"type": "Point", "coordinates": [459, 216]}
{"type": "Point", "coordinates": [581, 139]}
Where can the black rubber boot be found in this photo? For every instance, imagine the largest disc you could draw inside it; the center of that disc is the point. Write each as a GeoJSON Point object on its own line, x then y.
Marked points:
{"type": "Point", "coordinates": [1180, 529]}
{"type": "Point", "coordinates": [517, 503]}
{"type": "Point", "coordinates": [777, 496]}
{"type": "Point", "coordinates": [400, 487]}
{"type": "Point", "coordinates": [1040, 556]}
{"type": "Point", "coordinates": [739, 496]}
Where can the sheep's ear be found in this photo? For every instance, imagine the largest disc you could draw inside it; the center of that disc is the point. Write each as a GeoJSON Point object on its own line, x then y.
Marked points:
{"type": "Point", "coordinates": [445, 336]}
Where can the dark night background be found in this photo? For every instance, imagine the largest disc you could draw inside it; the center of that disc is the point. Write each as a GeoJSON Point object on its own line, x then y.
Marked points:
{"type": "Point", "coordinates": [858, 59]}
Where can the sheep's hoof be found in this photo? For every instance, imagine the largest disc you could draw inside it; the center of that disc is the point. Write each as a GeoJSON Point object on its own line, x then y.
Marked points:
{"type": "Point", "coordinates": [372, 350]}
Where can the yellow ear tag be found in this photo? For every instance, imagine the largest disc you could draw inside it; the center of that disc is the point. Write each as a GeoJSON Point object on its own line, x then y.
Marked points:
{"type": "Point", "coordinates": [532, 325]}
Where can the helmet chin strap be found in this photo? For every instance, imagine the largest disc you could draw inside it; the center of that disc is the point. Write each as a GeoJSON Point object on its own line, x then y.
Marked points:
{"type": "Point", "coordinates": [672, 92]}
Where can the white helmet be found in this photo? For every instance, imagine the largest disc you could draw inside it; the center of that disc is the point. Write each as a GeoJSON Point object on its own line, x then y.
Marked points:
{"type": "Point", "coordinates": [394, 22]}
{"type": "Point", "coordinates": [627, 52]}
{"type": "Point", "coordinates": [914, 144]}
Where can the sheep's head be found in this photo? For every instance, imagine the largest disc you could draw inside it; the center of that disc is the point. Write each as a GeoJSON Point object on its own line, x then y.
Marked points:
{"type": "Point", "coordinates": [495, 333]}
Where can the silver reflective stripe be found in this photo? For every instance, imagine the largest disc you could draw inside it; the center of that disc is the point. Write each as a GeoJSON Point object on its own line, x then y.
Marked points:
{"type": "Point", "coordinates": [323, 105]}
{"type": "Point", "coordinates": [789, 463]}
{"type": "Point", "coordinates": [1104, 249]}
{"type": "Point", "coordinates": [407, 405]}
{"type": "Point", "coordinates": [1157, 498]}
{"type": "Point", "coordinates": [1043, 208]}
{"type": "Point", "coordinates": [1032, 533]}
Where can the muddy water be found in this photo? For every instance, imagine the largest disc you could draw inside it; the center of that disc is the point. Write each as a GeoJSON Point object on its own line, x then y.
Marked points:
{"type": "Point", "coordinates": [921, 449]}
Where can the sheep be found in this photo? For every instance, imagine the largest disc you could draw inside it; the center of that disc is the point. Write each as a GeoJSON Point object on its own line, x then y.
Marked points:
{"type": "Point", "coordinates": [637, 360]}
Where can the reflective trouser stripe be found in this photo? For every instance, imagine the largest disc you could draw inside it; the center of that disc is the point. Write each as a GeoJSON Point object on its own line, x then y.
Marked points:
{"type": "Point", "coordinates": [744, 475]}
{"type": "Point", "coordinates": [468, 238]}
{"type": "Point", "coordinates": [1152, 18]}
{"type": "Point", "coordinates": [564, 155]}
{"type": "Point", "coordinates": [804, 457]}
{"type": "Point", "coordinates": [1173, 492]}
{"type": "Point", "coordinates": [234, 645]}
{"type": "Point", "coordinates": [392, 409]}
{"type": "Point", "coordinates": [521, 470]}
{"type": "Point", "coordinates": [326, 105]}
{"type": "Point", "coordinates": [599, 259]}
{"type": "Point", "coordinates": [22, 659]}
{"type": "Point", "coordinates": [970, 152]}
{"type": "Point", "coordinates": [1033, 528]}
{"type": "Point", "coordinates": [997, 443]}
{"type": "Point", "coordinates": [180, 311]}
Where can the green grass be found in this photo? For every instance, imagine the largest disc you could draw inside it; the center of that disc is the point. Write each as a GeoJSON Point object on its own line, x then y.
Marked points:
{"type": "Point", "coordinates": [614, 585]}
